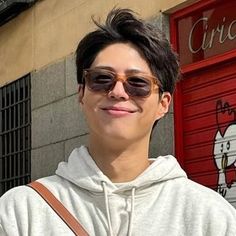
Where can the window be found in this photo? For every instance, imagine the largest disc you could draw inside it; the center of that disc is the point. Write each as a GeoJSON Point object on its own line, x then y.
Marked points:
{"type": "Point", "coordinates": [15, 134]}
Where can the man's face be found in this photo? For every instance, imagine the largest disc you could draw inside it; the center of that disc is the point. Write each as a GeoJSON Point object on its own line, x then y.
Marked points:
{"type": "Point", "coordinates": [116, 115]}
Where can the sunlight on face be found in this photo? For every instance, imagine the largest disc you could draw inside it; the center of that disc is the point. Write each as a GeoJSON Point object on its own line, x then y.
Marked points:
{"type": "Point", "coordinates": [116, 114]}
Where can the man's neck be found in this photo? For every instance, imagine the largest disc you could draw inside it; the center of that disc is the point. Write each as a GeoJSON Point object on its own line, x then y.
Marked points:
{"type": "Point", "coordinates": [120, 163]}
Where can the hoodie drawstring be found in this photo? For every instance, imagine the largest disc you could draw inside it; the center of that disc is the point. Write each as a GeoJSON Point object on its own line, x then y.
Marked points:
{"type": "Point", "coordinates": [108, 211]}
{"type": "Point", "coordinates": [107, 208]}
{"type": "Point", "coordinates": [131, 212]}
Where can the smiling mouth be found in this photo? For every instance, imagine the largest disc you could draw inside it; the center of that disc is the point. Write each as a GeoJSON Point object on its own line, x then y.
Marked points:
{"type": "Point", "coordinates": [118, 110]}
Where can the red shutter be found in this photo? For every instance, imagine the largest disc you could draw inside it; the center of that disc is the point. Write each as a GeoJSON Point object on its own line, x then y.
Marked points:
{"type": "Point", "coordinates": [208, 108]}
{"type": "Point", "coordinates": [205, 99]}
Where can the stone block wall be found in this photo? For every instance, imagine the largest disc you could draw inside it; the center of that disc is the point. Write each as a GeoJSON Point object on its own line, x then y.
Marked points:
{"type": "Point", "coordinates": [57, 122]}
{"type": "Point", "coordinates": [162, 141]}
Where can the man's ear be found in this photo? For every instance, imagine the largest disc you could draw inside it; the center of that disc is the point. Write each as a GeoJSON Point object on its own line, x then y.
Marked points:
{"type": "Point", "coordinates": [164, 104]}
{"type": "Point", "coordinates": [80, 93]}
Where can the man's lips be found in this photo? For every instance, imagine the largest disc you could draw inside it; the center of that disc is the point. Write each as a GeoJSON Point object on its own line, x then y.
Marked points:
{"type": "Point", "coordinates": [118, 110]}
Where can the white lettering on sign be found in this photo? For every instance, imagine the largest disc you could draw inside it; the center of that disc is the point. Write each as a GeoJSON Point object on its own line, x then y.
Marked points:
{"type": "Point", "coordinates": [219, 32]}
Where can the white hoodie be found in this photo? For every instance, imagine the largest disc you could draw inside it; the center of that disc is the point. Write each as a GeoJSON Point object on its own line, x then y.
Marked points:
{"type": "Point", "coordinates": [161, 201]}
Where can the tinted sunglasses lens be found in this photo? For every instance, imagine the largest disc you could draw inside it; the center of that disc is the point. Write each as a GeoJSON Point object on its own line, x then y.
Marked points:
{"type": "Point", "coordinates": [99, 81]}
{"type": "Point", "coordinates": [138, 86]}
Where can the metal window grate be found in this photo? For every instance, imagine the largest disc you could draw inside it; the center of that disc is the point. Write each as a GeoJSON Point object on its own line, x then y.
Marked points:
{"type": "Point", "coordinates": [15, 134]}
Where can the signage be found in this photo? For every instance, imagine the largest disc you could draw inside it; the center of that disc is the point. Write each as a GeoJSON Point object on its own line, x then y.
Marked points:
{"type": "Point", "coordinates": [207, 33]}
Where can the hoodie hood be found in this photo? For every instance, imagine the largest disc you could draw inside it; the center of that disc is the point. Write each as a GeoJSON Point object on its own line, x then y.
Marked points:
{"type": "Point", "coordinates": [83, 172]}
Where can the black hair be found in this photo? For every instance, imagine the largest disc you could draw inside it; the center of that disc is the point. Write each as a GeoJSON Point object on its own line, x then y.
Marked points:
{"type": "Point", "coordinates": [122, 26]}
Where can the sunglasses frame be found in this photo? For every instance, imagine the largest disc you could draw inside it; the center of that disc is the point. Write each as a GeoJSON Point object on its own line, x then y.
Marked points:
{"type": "Point", "coordinates": [122, 78]}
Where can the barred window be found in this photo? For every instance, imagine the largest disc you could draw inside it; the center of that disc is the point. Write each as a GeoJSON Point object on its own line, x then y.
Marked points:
{"type": "Point", "coordinates": [15, 134]}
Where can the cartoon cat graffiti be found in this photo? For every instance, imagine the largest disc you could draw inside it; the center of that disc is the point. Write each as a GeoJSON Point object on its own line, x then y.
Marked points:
{"type": "Point", "coordinates": [225, 149]}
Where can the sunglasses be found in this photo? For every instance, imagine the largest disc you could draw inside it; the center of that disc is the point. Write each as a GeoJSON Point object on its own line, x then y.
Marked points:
{"type": "Point", "coordinates": [136, 84]}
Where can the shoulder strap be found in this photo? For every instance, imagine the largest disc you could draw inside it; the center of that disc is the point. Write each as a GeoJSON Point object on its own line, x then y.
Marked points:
{"type": "Point", "coordinates": [58, 207]}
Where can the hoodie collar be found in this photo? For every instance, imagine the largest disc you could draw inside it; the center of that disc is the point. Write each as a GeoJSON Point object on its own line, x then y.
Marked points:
{"type": "Point", "coordinates": [83, 171]}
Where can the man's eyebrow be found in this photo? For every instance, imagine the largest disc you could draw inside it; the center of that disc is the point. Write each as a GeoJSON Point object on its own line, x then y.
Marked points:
{"type": "Point", "coordinates": [134, 71]}
{"type": "Point", "coordinates": [105, 67]}
{"type": "Point", "coordinates": [126, 71]}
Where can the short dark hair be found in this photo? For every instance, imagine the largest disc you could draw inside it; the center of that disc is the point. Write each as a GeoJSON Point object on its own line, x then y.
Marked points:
{"type": "Point", "coordinates": [122, 26]}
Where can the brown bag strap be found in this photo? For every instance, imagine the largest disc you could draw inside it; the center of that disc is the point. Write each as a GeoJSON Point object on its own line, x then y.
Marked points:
{"type": "Point", "coordinates": [58, 207]}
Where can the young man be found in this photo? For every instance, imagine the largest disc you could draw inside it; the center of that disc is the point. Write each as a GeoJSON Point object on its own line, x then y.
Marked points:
{"type": "Point", "coordinates": [126, 73]}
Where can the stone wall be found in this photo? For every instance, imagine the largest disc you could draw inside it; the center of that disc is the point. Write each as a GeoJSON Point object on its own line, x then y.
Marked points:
{"type": "Point", "coordinates": [57, 122]}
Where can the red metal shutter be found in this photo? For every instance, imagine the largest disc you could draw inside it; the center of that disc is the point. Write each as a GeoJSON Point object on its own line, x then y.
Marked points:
{"type": "Point", "coordinates": [209, 127]}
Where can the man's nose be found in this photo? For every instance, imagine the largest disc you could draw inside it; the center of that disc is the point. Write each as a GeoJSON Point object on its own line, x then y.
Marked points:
{"type": "Point", "coordinates": [118, 92]}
